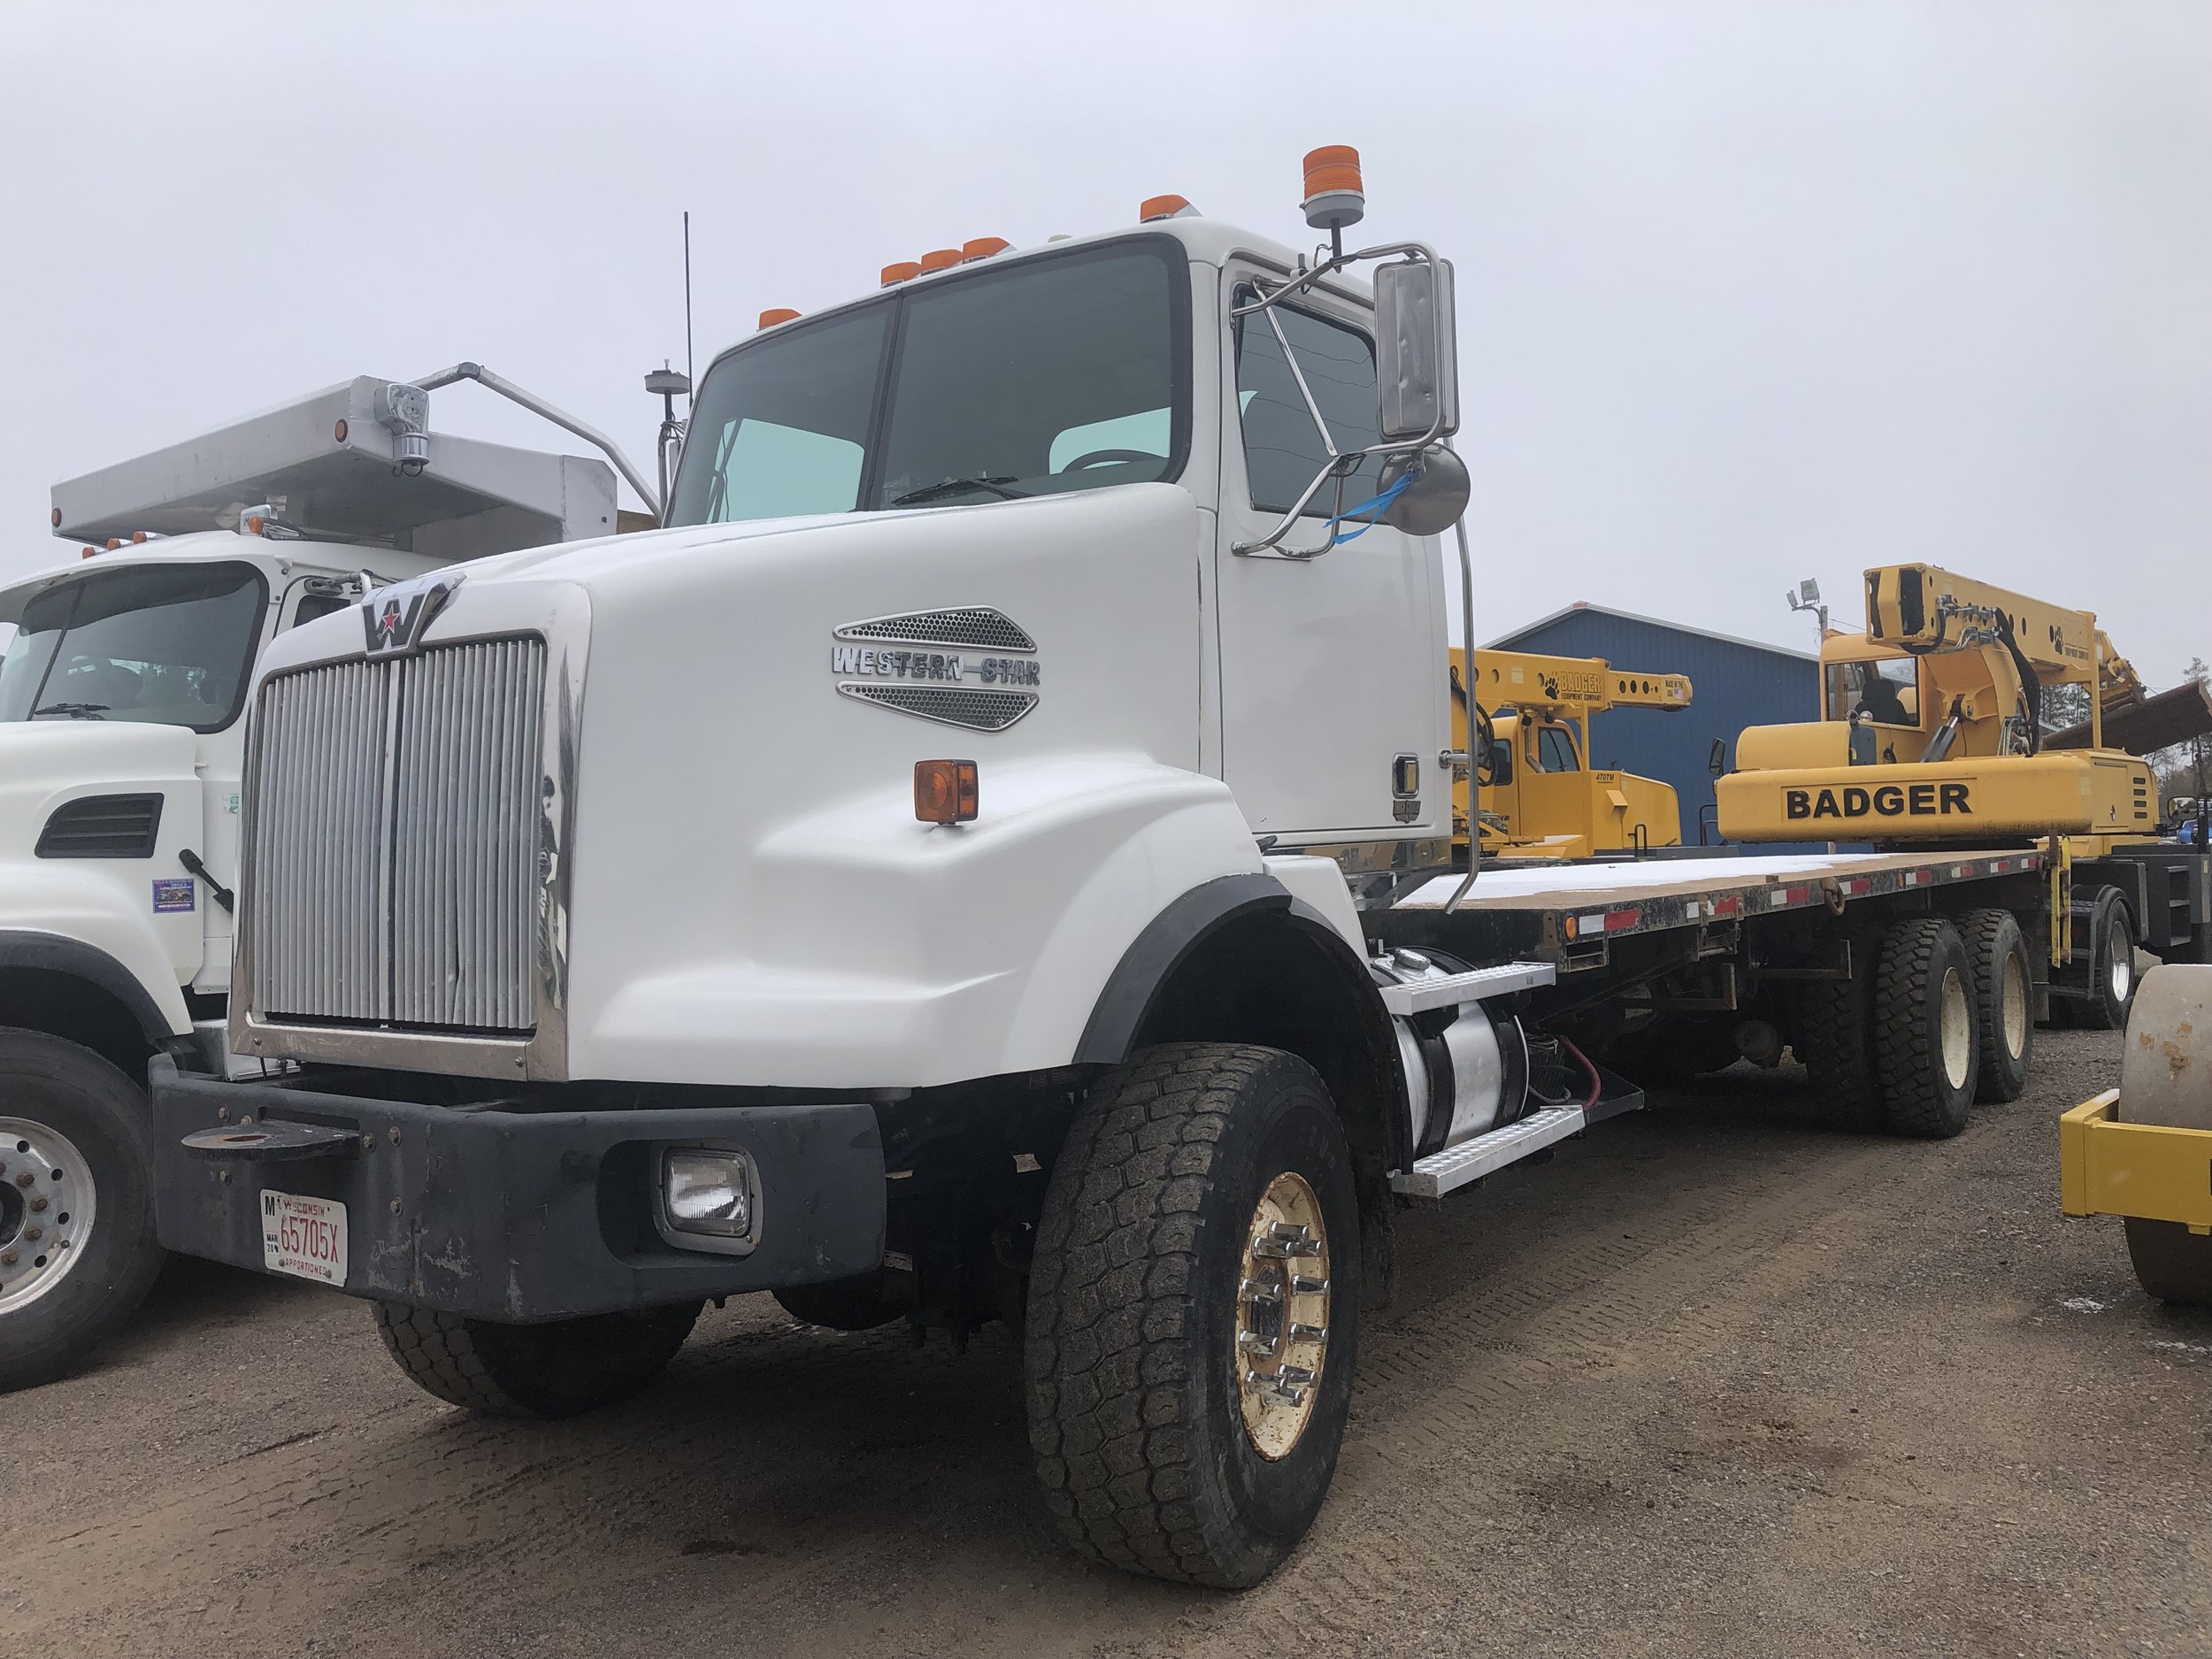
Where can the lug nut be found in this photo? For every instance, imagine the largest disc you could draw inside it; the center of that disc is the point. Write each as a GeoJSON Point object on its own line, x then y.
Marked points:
{"type": "Point", "coordinates": [26, 1178]}
{"type": "Point", "coordinates": [33, 1234]}
{"type": "Point", "coordinates": [8, 1258]}
{"type": "Point", "coordinates": [39, 1202]}
{"type": "Point", "coordinates": [1301, 1285]}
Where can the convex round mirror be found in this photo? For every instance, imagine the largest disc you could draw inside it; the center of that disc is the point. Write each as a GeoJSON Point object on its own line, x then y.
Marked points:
{"type": "Point", "coordinates": [1435, 498]}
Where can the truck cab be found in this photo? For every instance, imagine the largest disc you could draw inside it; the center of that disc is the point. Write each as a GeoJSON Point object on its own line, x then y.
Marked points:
{"type": "Point", "coordinates": [123, 692]}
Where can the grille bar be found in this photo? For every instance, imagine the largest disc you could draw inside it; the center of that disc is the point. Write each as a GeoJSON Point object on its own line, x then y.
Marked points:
{"type": "Point", "coordinates": [395, 840]}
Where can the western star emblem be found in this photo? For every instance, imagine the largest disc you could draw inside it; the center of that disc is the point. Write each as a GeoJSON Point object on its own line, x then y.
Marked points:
{"type": "Point", "coordinates": [967, 665]}
{"type": "Point", "coordinates": [395, 617]}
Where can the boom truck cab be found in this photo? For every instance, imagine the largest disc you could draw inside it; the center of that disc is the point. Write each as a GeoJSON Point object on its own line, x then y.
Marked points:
{"type": "Point", "coordinates": [989, 856]}
{"type": "Point", "coordinates": [123, 696]}
{"type": "Point", "coordinates": [1541, 797]}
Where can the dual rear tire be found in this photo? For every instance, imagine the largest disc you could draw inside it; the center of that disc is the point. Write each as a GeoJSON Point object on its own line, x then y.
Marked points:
{"type": "Point", "coordinates": [1945, 1018]}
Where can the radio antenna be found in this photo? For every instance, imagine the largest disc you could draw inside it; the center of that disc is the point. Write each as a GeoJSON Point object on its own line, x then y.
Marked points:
{"type": "Point", "coordinates": [689, 396]}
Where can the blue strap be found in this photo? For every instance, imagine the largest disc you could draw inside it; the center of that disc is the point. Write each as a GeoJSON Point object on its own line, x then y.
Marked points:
{"type": "Point", "coordinates": [1375, 505]}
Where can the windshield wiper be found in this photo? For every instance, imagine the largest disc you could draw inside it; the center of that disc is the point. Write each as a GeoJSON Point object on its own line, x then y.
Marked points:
{"type": "Point", "coordinates": [958, 486]}
{"type": "Point", "coordinates": [74, 710]}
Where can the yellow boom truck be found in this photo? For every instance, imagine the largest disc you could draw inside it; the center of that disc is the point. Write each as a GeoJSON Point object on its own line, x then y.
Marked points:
{"type": "Point", "coordinates": [1541, 799]}
{"type": "Point", "coordinates": [1931, 736]}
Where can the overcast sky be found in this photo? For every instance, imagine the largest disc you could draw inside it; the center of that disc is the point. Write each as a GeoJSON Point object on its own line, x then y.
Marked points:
{"type": "Point", "coordinates": [1748, 293]}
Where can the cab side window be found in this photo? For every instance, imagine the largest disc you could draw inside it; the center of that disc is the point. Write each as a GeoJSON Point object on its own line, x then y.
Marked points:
{"type": "Point", "coordinates": [1327, 371]}
{"type": "Point", "coordinates": [1555, 751]}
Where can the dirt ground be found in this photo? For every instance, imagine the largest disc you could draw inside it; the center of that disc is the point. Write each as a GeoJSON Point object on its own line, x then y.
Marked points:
{"type": "Point", "coordinates": [1713, 1381]}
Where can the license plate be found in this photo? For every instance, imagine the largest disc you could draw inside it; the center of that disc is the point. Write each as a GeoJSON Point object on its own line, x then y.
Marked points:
{"type": "Point", "coordinates": [305, 1237]}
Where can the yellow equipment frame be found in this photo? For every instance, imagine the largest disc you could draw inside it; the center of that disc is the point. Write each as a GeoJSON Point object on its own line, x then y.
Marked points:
{"type": "Point", "coordinates": [2151, 1171]}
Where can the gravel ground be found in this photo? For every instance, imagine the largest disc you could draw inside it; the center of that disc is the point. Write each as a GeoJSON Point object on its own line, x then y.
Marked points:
{"type": "Point", "coordinates": [1712, 1381]}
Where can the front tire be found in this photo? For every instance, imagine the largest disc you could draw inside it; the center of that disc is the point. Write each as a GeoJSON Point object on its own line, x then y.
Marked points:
{"type": "Point", "coordinates": [2004, 1002]}
{"type": "Point", "coordinates": [1194, 1314]}
{"type": "Point", "coordinates": [556, 1370]}
{"type": "Point", "coordinates": [1927, 1046]}
{"type": "Point", "coordinates": [77, 1247]}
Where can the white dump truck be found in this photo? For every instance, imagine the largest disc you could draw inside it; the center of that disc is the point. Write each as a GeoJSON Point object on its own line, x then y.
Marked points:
{"type": "Point", "coordinates": [122, 718]}
{"type": "Point", "coordinates": [990, 858]}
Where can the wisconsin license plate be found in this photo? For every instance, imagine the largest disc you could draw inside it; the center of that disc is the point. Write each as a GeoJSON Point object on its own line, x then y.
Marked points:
{"type": "Point", "coordinates": [305, 1237]}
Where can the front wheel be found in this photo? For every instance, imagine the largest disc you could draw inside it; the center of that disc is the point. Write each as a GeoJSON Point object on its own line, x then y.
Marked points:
{"type": "Point", "coordinates": [77, 1247]}
{"type": "Point", "coordinates": [1194, 1313]}
{"type": "Point", "coordinates": [555, 1369]}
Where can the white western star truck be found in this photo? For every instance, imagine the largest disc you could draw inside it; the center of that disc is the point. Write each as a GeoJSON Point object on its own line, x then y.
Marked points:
{"type": "Point", "coordinates": [122, 715]}
{"type": "Point", "coordinates": [989, 857]}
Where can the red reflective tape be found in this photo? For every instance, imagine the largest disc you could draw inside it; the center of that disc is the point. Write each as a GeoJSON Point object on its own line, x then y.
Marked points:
{"type": "Point", "coordinates": [1622, 918]}
{"type": "Point", "coordinates": [1796, 895]}
{"type": "Point", "coordinates": [1727, 906]}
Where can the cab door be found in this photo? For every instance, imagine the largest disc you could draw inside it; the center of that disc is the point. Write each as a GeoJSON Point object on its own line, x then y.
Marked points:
{"type": "Point", "coordinates": [1332, 668]}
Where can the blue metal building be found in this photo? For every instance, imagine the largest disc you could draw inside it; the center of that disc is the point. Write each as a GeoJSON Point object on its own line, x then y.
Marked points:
{"type": "Point", "coordinates": [1733, 683]}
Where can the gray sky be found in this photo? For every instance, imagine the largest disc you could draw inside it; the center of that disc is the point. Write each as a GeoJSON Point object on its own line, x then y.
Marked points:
{"type": "Point", "coordinates": [1748, 293]}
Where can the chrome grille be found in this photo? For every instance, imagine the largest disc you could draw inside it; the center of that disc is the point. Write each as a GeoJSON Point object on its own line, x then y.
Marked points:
{"type": "Point", "coordinates": [395, 840]}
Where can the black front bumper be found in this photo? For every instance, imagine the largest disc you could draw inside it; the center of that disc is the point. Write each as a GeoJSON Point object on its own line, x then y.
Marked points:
{"type": "Point", "coordinates": [516, 1216]}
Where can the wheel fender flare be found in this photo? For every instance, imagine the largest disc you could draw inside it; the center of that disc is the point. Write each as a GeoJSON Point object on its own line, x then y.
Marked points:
{"type": "Point", "coordinates": [1155, 953]}
{"type": "Point", "coordinates": [1168, 939]}
{"type": "Point", "coordinates": [58, 953]}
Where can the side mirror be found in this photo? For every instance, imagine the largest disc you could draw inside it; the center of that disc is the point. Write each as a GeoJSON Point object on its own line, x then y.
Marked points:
{"type": "Point", "coordinates": [1432, 502]}
{"type": "Point", "coordinates": [1501, 762]}
{"type": "Point", "coordinates": [1717, 763]}
{"type": "Point", "coordinates": [1416, 351]}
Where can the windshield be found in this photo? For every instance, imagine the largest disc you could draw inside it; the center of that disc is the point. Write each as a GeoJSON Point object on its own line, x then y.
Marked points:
{"type": "Point", "coordinates": [1887, 690]}
{"type": "Point", "coordinates": [159, 646]}
{"type": "Point", "coordinates": [1062, 373]}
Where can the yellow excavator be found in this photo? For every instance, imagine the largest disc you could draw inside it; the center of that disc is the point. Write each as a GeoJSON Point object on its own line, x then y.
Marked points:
{"type": "Point", "coordinates": [1540, 798]}
{"type": "Point", "coordinates": [1932, 731]}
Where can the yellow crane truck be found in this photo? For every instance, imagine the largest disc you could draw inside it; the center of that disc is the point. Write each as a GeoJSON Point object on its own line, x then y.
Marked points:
{"type": "Point", "coordinates": [1540, 797]}
{"type": "Point", "coordinates": [1932, 734]}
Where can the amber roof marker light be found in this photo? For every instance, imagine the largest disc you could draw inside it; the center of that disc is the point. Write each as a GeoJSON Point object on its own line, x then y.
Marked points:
{"type": "Point", "coordinates": [1155, 208]}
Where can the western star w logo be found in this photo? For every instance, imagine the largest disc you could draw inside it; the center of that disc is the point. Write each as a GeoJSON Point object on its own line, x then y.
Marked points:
{"type": "Point", "coordinates": [391, 623]}
{"type": "Point", "coordinates": [395, 617]}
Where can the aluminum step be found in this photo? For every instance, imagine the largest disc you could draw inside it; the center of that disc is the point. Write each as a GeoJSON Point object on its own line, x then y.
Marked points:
{"type": "Point", "coordinates": [1406, 1001]}
{"type": "Point", "coordinates": [1455, 1167]}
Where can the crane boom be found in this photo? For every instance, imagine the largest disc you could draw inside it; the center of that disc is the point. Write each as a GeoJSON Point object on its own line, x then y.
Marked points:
{"type": "Point", "coordinates": [1569, 687]}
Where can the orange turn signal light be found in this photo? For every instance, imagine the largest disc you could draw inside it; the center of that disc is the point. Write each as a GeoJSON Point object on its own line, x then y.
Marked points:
{"type": "Point", "coordinates": [984, 247]}
{"type": "Point", "coordinates": [88, 552]}
{"type": "Point", "coordinates": [114, 541]}
{"type": "Point", "coordinates": [904, 271]}
{"type": "Point", "coordinates": [1154, 207]}
{"type": "Point", "coordinates": [776, 314]}
{"type": "Point", "coordinates": [338, 432]}
{"type": "Point", "coordinates": [944, 791]}
{"type": "Point", "coordinates": [941, 258]}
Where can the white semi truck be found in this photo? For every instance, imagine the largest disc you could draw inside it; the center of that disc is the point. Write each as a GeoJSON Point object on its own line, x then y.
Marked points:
{"type": "Point", "coordinates": [122, 718]}
{"type": "Point", "coordinates": [989, 859]}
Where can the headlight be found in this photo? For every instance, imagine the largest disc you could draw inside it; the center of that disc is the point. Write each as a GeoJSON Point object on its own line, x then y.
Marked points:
{"type": "Point", "coordinates": [711, 1196]}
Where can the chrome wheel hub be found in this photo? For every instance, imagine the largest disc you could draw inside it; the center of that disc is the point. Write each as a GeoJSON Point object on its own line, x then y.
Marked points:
{"type": "Point", "coordinates": [1282, 1323]}
{"type": "Point", "coordinates": [1957, 1018]}
{"type": "Point", "coordinates": [47, 1205]}
{"type": "Point", "coordinates": [2122, 972]}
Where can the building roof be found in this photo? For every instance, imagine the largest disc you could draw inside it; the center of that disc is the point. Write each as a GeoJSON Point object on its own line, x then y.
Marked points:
{"type": "Point", "coordinates": [1583, 606]}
